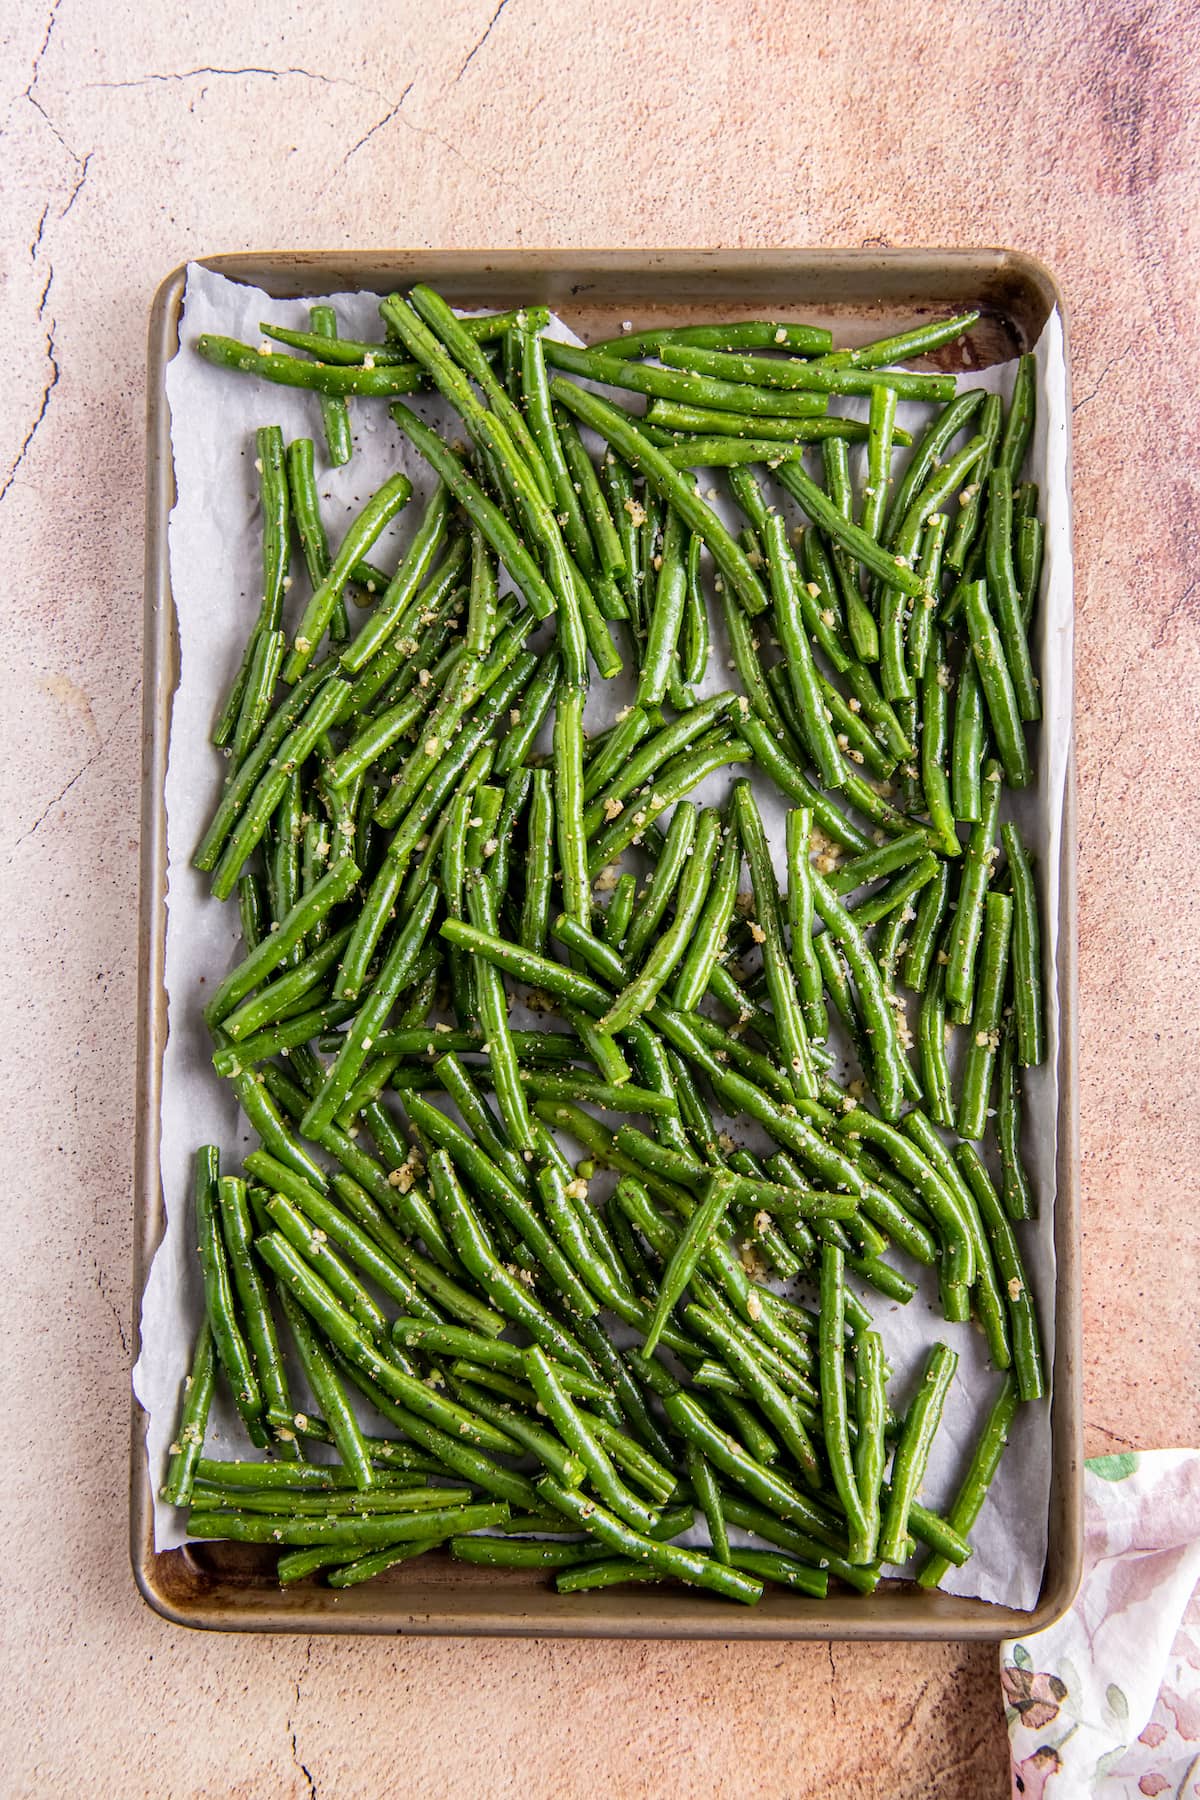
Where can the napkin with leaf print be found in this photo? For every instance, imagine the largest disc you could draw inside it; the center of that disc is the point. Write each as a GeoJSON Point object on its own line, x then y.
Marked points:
{"type": "Point", "coordinates": [1107, 1701]}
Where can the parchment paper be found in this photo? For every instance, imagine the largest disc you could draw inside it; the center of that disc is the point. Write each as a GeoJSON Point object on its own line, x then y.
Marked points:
{"type": "Point", "coordinates": [216, 577]}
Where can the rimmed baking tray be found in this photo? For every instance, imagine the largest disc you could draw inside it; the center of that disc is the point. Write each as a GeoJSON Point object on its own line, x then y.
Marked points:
{"type": "Point", "coordinates": [863, 294]}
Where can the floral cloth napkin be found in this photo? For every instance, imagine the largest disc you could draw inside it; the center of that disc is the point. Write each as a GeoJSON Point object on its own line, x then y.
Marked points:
{"type": "Point", "coordinates": [1107, 1702]}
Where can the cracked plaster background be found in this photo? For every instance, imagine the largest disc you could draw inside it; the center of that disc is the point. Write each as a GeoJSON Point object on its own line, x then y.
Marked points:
{"type": "Point", "coordinates": [133, 137]}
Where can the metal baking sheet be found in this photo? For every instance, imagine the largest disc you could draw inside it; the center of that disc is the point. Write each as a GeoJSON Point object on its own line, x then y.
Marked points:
{"type": "Point", "coordinates": [862, 295]}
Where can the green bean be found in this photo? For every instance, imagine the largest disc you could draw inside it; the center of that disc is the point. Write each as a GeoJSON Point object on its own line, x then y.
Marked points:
{"type": "Point", "coordinates": [793, 1037]}
{"type": "Point", "coordinates": [738, 1353]}
{"type": "Point", "coordinates": [727, 1454]}
{"type": "Point", "coordinates": [618, 746]}
{"type": "Point", "coordinates": [643, 763]}
{"type": "Point", "coordinates": [967, 747]}
{"type": "Point", "coordinates": [619, 431]}
{"type": "Point", "coordinates": [292, 929]}
{"type": "Point", "coordinates": [700, 958]}
{"type": "Point", "coordinates": [750, 334]}
{"type": "Point", "coordinates": [774, 762]}
{"type": "Point", "coordinates": [679, 419]}
{"type": "Point", "coordinates": [1026, 1347]}
{"type": "Point", "coordinates": [1028, 1006]}
{"type": "Point", "coordinates": [915, 1168]}
{"type": "Point", "coordinates": [314, 1295]}
{"type": "Point", "coordinates": [906, 344]}
{"type": "Point", "coordinates": [698, 1230]}
{"type": "Point", "coordinates": [231, 1348]}
{"type": "Point", "coordinates": [1006, 596]}
{"type": "Point", "coordinates": [252, 910]}
{"type": "Point", "coordinates": [929, 565]}
{"type": "Point", "coordinates": [922, 940]}
{"type": "Point", "coordinates": [870, 1450]}
{"type": "Point", "coordinates": [678, 778]}
{"type": "Point", "coordinates": [931, 1050]}
{"type": "Point", "coordinates": [249, 697]}
{"type": "Point", "coordinates": [568, 801]}
{"type": "Point", "coordinates": [539, 868]}
{"type": "Point", "coordinates": [311, 1243]}
{"type": "Point", "coordinates": [462, 345]}
{"type": "Point", "coordinates": [1018, 426]}
{"type": "Point", "coordinates": [819, 1554]}
{"type": "Point", "coordinates": [989, 1301]}
{"type": "Point", "coordinates": [833, 1405]}
{"type": "Point", "coordinates": [985, 1460]}
{"type": "Point", "coordinates": [574, 1431]}
{"type": "Point", "coordinates": [605, 538]}
{"type": "Point", "coordinates": [323, 1380]}
{"type": "Point", "coordinates": [966, 525]}
{"type": "Point", "coordinates": [241, 835]}
{"type": "Point", "coordinates": [886, 1055]}
{"type": "Point", "coordinates": [482, 512]}
{"type": "Point", "coordinates": [667, 1559]}
{"type": "Point", "coordinates": [790, 375]}
{"type": "Point", "coordinates": [818, 734]}
{"type": "Point", "coordinates": [858, 543]}
{"type": "Point", "coordinates": [883, 859]}
{"type": "Point", "coordinates": [330, 348]}
{"type": "Point", "coordinates": [519, 1553]}
{"type": "Point", "coordinates": [493, 1017]}
{"type": "Point", "coordinates": [377, 1562]}
{"type": "Point", "coordinates": [996, 681]}
{"type": "Point", "coordinates": [1018, 1196]}
{"type": "Point", "coordinates": [382, 506]}
{"type": "Point", "coordinates": [372, 1015]}
{"type": "Point", "coordinates": [276, 1040]}
{"type": "Point", "coordinates": [188, 1443]}
{"type": "Point", "coordinates": [676, 854]}
{"type": "Point", "coordinates": [860, 621]}
{"type": "Point", "coordinates": [709, 1497]}
{"type": "Point", "coordinates": [377, 1532]}
{"type": "Point", "coordinates": [809, 987]}
{"type": "Point", "coordinates": [335, 414]}
{"type": "Point", "coordinates": [912, 1451]}
{"type": "Point", "coordinates": [527, 719]}
{"type": "Point", "coordinates": [469, 752]}
{"type": "Point", "coordinates": [1029, 551]}
{"type": "Point", "coordinates": [898, 892]}
{"type": "Point", "coordinates": [643, 989]}
{"type": "Point", "coordinates": [929, 454]}
{"type": "Point", "coordinates": [977, 871]}
{"type": "Point", "coordinates": [980, 1060]}
{"type": "Point", "coordinates": [675, 384]}
{"type": "Point", "coordinates": [935, 685]}
{"type": "Point", "coordinates": [614, 923]}
{"type": "Point", "coordinates": [782, 1570]}
{"type": "Point", "coordinates": [251, 1292]}
{"type": "Point", "coordinates": [666, 618]}
{"type": "Point", "coordinates": [880, 439]}
{"type": "Point", "coordinates": [323, 378]}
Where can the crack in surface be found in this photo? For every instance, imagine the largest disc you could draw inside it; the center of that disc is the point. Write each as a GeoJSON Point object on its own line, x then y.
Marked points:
{"type": "Point", "coordinates": [1177, 608]}
{"type": "Point", "coordinates": [473, 52]}
{"type": "Point", "coordinates": [832, 1682]}
{"type": "Point", "coordinates": [79, 181]}
{"type": "Point", "coordinates": [1110, 364]}
{"type": "Point", "coordinates": [62, 793]}
{"type": "Point", "coordinates": [108, 1301]}
{"type": "Point", "coordinates": [14, 467]}
{"type": "Point", "coordinates": [290, 1728]}
{"type": "Point", "coordinates": [193, 74]}
{"type": "Point", "coordinates": [378, 126]}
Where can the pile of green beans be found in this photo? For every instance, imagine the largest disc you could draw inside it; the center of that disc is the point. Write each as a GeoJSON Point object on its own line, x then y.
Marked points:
{"type": "Point", "coordinates": [577, 1311]}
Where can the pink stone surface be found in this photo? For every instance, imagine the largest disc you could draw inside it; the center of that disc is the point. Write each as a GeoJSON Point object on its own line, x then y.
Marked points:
{"type": "Point", "coordinates": [134, 137]}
